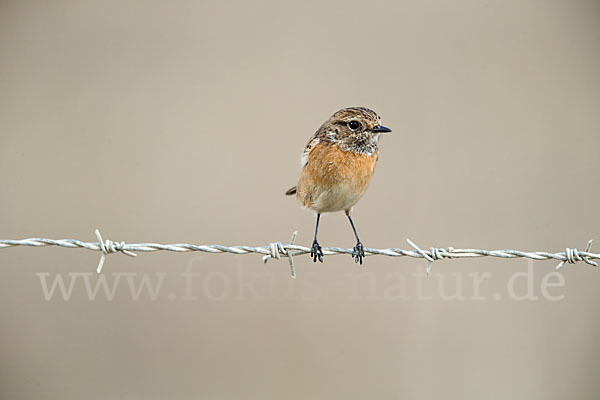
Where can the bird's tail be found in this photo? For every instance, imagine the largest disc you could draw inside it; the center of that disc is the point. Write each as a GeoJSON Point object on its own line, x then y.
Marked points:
{"type": "Point", "coordinates": [291, 191]}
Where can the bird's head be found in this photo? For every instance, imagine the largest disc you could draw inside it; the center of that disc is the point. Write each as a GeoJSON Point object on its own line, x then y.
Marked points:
{"type": "Point", "coordinates": [354, 129]}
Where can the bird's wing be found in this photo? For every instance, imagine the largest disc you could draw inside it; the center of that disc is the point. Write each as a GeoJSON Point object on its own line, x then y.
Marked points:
{"type": "Point", "coordinates": [309, 146]}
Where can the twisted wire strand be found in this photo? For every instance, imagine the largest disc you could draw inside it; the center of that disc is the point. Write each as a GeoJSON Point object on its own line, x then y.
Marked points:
{"type": "Point", "coordinates": [277, 249]}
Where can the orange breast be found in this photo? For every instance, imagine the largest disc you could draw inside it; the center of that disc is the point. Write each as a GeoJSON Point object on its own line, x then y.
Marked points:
{"type": "Point", "coordinates": [334, 179]}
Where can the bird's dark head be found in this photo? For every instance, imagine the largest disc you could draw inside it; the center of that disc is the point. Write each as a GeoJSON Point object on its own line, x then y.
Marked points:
{"type": "Point", "coordinates": [354, 129]}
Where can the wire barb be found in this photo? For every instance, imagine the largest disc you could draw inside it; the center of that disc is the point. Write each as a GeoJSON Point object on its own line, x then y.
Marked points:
{"type": "Point", "coordinates": [109, 247]}
{"type": "Point", "coordinates": [277, 247]}
{"type": "Point", "coordinates": [572, 256]}
{"type": "Point", "coordinates": [425, 256]}
{"type": "Point", "coordinates": [433, 255]}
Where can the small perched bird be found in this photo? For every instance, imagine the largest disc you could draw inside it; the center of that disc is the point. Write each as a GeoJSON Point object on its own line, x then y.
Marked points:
{"type": "Point", "coordinates": [337, 165]}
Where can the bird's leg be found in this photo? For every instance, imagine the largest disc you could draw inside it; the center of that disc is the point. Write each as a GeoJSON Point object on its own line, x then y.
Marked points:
{"type": "Point", "coordinates": [316, 252]}
{"type": "Point", "coordinates": [358, 252]}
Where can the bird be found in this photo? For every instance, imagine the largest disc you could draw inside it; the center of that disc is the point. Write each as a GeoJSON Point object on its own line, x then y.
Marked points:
{"type": "Point", "coordinates": [337, 165]}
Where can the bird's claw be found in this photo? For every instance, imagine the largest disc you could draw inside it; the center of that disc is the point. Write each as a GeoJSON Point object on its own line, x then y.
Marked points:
{"type": "Point", "coordinates": [358, 252]}
{"type": "Point", "coordinates": [316, 252]}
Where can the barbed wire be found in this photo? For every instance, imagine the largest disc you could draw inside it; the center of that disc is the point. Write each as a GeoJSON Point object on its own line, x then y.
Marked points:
{"type": "Point", "coordinates": [277, 249]}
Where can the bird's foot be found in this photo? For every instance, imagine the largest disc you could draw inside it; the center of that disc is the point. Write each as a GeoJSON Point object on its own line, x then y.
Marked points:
{"type": "Point", "coordinates": [316, 252]}
{"type": "Point", "coordinates": [358, 252]}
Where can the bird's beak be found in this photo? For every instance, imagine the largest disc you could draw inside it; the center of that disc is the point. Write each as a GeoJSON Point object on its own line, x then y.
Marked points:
{"type": "Point", "coordinates": [381, 129]}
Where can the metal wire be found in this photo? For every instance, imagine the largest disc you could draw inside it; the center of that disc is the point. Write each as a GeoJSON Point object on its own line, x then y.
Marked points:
{"type": "Point", "coordinates": [276, 249]}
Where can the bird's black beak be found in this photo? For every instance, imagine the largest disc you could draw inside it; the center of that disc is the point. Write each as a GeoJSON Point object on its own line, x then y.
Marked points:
{"type": "Point", "coordinates": [381, 129]}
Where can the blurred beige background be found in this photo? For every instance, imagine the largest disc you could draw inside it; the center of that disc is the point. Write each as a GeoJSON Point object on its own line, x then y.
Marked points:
{"type": "Point", "coordinates": [184, 122]}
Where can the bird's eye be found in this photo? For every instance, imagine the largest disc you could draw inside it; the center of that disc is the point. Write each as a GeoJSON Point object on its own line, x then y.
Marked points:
{"type": "Point", "coordinates": [353, 125]}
